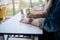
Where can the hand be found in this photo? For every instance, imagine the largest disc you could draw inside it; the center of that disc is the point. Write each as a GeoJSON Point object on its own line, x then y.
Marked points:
{"type": "Point", "coordinates": [24, 20]}
{"type": "Point", "coordinates": [30, 16]}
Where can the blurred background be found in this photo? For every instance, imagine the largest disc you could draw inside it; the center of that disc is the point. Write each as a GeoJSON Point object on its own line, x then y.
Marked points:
{"type": "Point", "coordinates": [14, 6]}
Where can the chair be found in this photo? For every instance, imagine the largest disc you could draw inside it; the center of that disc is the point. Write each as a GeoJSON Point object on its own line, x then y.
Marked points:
{"type": "Point", "coordinates": [2, 13]}
{"type": "Point", "coordinates": [2, 37]}
{"type": "Point", "coordinates": [21, 36]}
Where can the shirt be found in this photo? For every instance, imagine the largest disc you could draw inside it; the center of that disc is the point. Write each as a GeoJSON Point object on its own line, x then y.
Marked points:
{"type": "Point", "coordinates": [52, 22]}
{"type": "Point", "coordinates": [53, 19]}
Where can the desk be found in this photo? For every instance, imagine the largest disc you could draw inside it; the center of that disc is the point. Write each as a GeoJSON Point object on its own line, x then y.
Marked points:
{"type": "Point", "coordinates": [13, 26]}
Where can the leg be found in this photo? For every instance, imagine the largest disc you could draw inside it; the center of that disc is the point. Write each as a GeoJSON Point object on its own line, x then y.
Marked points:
{"type": "Point", "coordinates": [33, 38]}
{"type": "Point", "coordinates": [40, 37]}
{"type": "Point", "coordinates": [2, 37]}
{"type": "Point", "coordinates": [36, 38]}
{"type": "Point", "coordinates": [7, 37]}
{"type": "Point", "coordinates": [48, 35]}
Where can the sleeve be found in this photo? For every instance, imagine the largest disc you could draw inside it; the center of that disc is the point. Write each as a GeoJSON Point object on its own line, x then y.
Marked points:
{"type": "Point", "coordinates": [40, 22]}
{"type": "Point", "coordinates": [49, 23]}
{"type": "Point", "coordinates": [52, 22]}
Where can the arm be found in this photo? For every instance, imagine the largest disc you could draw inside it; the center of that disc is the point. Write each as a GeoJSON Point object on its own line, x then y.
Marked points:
{"type": "Point", "coordinates": [47, 5]}
{"type": "Point", "coordinates": [38, 15]}
{"type": "Point", "coordinates": [52, 23]}
{"type": "Point", "coordinates": [42, 13]}
{"type": "Point", "coordinates": [36, 22]}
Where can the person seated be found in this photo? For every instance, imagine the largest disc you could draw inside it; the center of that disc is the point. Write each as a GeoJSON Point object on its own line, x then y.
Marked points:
{"type": "Point", "coordinates": [52, 21]}
{"type": "Point", "coordinates": [37, 14]}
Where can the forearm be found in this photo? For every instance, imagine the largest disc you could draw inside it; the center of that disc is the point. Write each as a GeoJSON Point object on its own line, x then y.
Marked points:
{"type": "Point", "coordinates": [36, 12]}
{"type": "Point", "coordinates": [47, 6]}
{"type": "Point", "coordinates": [38, 22]}
{"type": "Point", "coordinates": [35, 23]}
{"type": "Point", "coordinates": [38, 15]}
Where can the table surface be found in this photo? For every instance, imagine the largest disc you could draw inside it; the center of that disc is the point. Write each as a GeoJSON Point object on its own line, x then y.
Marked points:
{"type": "Point", "coordinates": [13, 26]}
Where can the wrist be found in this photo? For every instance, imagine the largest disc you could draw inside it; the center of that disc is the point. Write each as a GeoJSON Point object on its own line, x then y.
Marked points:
{"type": "Point", "coordinates": [30, 20]}
{"type": "Point", "coordinates": [35, 23]}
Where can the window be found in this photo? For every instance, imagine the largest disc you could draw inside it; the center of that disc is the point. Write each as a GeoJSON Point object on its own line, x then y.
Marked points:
{"type": "Point", "coordinates": [36, 2]}
{"type": "Point", "coordinates": [24, 4]}
{"type": "Point", "coordinates": [14, 6]}
{"type": "Point", "coordinates": [17, 6]}
{"type": "Point", "coordinates": [9, 9]}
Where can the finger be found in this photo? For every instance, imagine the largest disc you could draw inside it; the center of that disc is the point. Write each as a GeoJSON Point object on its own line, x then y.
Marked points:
{"type": "Point", "coordinates": [29, 16]}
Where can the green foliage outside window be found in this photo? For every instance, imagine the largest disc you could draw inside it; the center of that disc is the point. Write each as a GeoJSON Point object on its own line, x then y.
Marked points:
{"type": "Point", "coordinates": [22, 5]}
